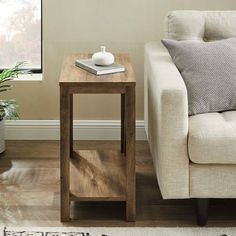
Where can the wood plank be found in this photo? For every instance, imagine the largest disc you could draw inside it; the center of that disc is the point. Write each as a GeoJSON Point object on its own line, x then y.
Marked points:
{"type": "Point", "coordinates": [85, 89]}
{"type": "Point", "coordinates": [71, 124]}
{"type": "Point", "coordinates": [29, 198]}
{"type": "Point", "coordinates": [27, 162]}
{"type": "Point", "coordinates": [97, 175]}
{"type": "Point", "coordinates": [130, 154]}
{"type": "Point", "coordinates": [123, 138]}
{"type": "Point", "coordinates": [33, 149]}
{"type": "Point", "coordinates": [17, 180]}
{"type": "Point", "coordinates": [72, 75]}
{"type": "Point", "coordinates": [65, 129]}
{"type": "Point", "coordinates": [120, 198]}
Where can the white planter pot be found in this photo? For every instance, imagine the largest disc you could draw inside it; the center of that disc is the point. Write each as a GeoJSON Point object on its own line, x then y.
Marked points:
{"type": "Point", "coordinates": [2, 136]}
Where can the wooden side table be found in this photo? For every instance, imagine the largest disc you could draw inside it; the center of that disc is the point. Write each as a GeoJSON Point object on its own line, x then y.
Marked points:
{"type": "Point", "coordinates": [97, 175]}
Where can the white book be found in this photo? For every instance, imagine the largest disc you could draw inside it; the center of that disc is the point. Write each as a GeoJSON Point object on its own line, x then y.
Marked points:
{"type": "Point", "coordinates": [88, 65]}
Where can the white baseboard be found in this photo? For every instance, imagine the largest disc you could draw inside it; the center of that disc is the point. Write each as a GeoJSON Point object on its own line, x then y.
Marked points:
{"type": "Point", "coordinates": [83, 130]}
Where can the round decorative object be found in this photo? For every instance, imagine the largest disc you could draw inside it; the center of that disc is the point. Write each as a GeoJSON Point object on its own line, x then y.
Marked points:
{"type": "Point", "coordinates": [2, 136]}
{"type": "Point", "coordinates": [103, 58]}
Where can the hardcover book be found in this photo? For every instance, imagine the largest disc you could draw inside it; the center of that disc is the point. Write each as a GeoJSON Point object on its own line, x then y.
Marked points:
{"type": "Point", "coordinates": [88, 65]}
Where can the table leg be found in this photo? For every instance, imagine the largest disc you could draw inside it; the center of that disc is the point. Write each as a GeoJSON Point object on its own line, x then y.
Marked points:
{"type": "Point", "coordinates": [65, 153]}
{"type": "Point", "coordinates": [71, 125]}
{"type": "Point", "coordinates": [130, 155]}
{"type": "Point", "coordinates": [123, 142]}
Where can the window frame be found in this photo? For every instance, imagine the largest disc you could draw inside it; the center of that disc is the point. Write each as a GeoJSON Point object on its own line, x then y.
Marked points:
{"type": "Point", "coordinates": [36, 71]}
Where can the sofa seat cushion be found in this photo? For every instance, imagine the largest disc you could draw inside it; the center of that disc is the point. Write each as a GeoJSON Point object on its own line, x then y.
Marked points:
{"type": "Point", "coordinates": [212, 138]}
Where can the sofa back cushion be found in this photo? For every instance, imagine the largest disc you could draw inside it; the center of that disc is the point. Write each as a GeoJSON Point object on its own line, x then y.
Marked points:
{"type": "Point", "coordinates": [200, 25]}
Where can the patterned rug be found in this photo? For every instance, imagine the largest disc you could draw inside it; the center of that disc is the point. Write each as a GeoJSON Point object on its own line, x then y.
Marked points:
{"type": "Point", "coordinates": [21, 232]}
{"type": "Point", "coordinates": [144, 231]}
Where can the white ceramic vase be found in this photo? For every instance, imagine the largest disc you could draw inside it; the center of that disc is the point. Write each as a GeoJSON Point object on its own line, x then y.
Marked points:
{"type": "Point", "coordinates": [2, 136]}
{"type": "Point", "coordinates": [103, 58]}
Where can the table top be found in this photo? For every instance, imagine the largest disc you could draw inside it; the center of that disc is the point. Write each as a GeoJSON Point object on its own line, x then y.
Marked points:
{"type": "Point", "coordinates": [73, 75]}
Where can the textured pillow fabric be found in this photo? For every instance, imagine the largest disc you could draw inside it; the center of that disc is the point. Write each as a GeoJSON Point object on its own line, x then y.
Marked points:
{"type": "Point", "coordinates": [209, 72]}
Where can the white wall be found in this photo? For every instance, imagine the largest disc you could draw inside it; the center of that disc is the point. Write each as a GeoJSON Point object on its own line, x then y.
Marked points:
{"type": "Point", "coordinates": [82, 26]}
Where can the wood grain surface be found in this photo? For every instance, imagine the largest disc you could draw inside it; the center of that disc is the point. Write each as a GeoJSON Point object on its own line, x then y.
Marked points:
{"type": "Point", "coordinates": [97, 184]}
{"type": "Point", "coordinates": [29, 192]}
{"type": "Point", "coordinates": [97, 175]}
{"type": "Point", "coordinates": [71, 74]}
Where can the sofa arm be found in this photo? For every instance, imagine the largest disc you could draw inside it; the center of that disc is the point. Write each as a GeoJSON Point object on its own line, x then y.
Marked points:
{"type": "Point", "coordinates": [166, 121]}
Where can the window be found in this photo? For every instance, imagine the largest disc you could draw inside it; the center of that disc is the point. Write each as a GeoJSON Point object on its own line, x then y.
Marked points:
{"type": "Point", "coordinates": [21, 33]}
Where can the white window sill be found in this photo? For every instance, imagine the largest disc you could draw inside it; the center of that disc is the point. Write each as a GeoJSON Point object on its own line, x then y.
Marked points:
{"type": "Point", "coordinates": [33, 77]}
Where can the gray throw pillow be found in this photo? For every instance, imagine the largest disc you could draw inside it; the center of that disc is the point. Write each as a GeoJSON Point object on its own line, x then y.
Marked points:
{"type": "Point", "coordinates": [209, 72]}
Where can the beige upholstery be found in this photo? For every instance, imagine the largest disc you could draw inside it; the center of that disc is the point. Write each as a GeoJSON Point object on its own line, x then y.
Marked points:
{"type": "Point", "coordinates": [212, 138]}
{"type": "Point", "coordinates": [167, 95]}
{"type": "Point", "coordinates": [167, 122]}
{"type": "Point", "coordinates": [200, 25]}
{"type": "Point", "coordinates": [212, 181]}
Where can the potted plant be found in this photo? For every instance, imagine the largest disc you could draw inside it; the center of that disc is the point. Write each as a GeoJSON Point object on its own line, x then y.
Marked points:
{"type": "Point", "coordinates": [8, 108]}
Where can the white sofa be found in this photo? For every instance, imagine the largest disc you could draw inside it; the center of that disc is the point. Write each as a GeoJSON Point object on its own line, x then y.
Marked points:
{"type": "Point", "coordinates": [194, 157]}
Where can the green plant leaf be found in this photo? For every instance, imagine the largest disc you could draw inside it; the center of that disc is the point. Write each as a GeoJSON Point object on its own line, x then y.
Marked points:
{"type": "Point", "coordinates": [8, 108]}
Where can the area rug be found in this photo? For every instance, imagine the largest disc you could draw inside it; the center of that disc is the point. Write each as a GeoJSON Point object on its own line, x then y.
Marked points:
{"type": "Point", "coordinates": [144, 231]}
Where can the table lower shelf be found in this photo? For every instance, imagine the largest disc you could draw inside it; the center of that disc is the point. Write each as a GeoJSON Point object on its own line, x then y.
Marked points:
{"type": "Point", "coordinates": [97, 175]}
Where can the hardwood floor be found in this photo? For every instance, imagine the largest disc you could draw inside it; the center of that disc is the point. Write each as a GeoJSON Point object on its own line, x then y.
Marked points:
{"type": "Point", "coordinates": [29, 192]}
